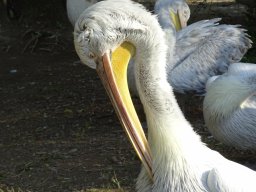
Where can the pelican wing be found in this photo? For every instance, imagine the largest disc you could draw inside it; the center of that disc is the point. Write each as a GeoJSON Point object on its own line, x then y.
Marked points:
{"type": "Point", "coordinates": [205, 49]}
{"type": "Point", "coordinates": [230, 106]}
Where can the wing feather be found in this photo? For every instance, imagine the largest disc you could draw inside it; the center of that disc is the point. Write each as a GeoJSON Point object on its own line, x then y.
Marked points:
{"type": "Point", "coordinates": [204, 49]}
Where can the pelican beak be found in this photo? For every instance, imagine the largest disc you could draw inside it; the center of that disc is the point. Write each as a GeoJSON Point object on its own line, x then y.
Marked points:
{"type": "Point", "coordinates": [183, 21]}
{"type": "Point", "coordinates": [113, 74]}
{"type": "Point", "coordinates": [178, 20]}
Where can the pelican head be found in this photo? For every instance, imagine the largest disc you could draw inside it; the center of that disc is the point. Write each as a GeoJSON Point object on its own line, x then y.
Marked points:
{"type": "Point", "coordinates": [104, 40]}
{"type": "Point", "coordinates": [179, 11]}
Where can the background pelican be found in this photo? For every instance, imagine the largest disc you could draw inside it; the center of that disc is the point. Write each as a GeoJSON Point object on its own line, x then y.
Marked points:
{"type": "Point", "coordinates": [202, 49]}
{"type": "Point", "coordinates": [230, 106]}
{"type": "Point", "coordinates": [180, 161]}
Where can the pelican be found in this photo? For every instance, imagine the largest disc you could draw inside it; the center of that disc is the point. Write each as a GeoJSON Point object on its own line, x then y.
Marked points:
{"type": "Point", "coordinates": [106, 35]}
{"type": "Point", "coordinates": [230, 106]}
{"type": "Point", "coordinates": [202, 49]}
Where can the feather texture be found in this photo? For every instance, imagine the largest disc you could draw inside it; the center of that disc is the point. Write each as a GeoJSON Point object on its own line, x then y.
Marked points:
{"type": "Point", "coordinates": [203, 49]}
{"type": "Point", "coordinates": [230, 106]}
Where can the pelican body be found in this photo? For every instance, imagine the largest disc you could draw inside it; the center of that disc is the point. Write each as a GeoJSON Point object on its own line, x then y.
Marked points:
{"type": "Point", "coordinates": [230, 106]}
{"type": "Point", "coordinates": [174, 158]}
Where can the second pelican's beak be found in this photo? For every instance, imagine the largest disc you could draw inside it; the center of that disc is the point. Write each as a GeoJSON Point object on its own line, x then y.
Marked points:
{"type": "Point", "coordinates": [183, 20]}
{"type": "Point", "coordinates": [178, 20]}
{"type": "Point", "coordinates": [113, 74]}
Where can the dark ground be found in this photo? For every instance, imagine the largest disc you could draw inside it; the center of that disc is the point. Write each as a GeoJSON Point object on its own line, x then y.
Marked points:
{"type": "Point", "coordinates": [58, 130]}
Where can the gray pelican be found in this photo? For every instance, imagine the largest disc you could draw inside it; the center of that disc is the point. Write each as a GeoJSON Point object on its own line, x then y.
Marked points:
{"type": "Point", "coordinates": [202, 49]}
{"type": "Point", "coordinates": [230, 106]}
{"type": "Point", "coordinates": [106, 35]}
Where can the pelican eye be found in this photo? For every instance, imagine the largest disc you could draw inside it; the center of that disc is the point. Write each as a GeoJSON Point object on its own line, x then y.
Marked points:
{"type": "Point", "coordinates": [91, 55]}
{"type": "Point", "coordinates": [84, 27]}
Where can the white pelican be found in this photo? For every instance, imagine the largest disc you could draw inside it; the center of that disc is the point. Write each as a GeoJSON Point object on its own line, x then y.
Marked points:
{"type": "Point", "coordinates": [202, 49]}
{"type": "Point", "coordinates": [174, 156]}
{"type": "Point", "coordinates": [230, 106]}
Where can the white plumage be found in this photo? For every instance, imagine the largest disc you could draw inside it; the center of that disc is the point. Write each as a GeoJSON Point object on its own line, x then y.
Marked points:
{"type": "Point", "coordinates": [180, 161]}
{"type": "Point", "coordinates": [230, 106]}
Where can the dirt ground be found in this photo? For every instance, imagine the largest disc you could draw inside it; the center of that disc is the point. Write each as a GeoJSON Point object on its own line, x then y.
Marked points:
{"type": "Point", "coordinates": [58, 130]}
